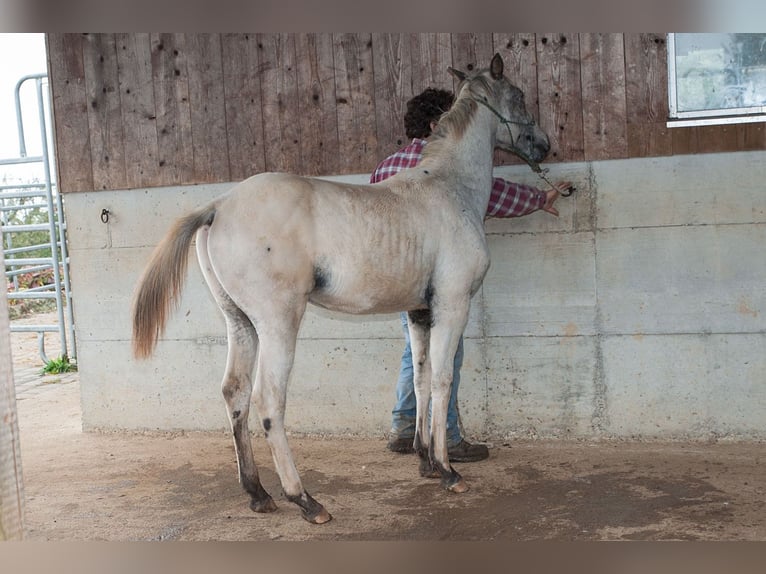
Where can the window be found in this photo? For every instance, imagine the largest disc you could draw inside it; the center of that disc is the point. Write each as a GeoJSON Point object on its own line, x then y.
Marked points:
{"type": "Point", "coordinates": [716, 78]}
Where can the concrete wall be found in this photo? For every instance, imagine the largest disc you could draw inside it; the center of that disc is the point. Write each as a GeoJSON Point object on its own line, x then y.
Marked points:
{"type": "Point", "coordinates": [639, 312]}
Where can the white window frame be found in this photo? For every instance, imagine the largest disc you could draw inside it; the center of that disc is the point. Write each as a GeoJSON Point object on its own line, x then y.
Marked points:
{"type": "Point", "coordinates": [707, 117]}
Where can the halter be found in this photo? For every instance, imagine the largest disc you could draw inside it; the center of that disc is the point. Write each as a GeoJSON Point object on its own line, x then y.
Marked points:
{"type": "Point", "coordinates": [532, 164]}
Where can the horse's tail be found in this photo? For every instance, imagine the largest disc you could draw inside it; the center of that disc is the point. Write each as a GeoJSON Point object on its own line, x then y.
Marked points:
{"type": "Point", "coordinates": [160, 285]}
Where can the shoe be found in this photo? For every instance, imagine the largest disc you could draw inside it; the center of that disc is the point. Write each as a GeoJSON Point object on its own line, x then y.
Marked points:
{"type": "Point", "coordinates": [400, 444]}
{"type": "Point", "coordinates": [464, 451]}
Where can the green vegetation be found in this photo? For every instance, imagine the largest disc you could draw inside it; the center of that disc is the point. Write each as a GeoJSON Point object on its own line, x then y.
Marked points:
{"type": "Point", "coordinates": [58, 366]}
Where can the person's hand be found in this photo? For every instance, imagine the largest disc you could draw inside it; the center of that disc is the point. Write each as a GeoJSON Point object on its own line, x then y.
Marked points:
{"type": "Point", "coordinates": [552, 195]}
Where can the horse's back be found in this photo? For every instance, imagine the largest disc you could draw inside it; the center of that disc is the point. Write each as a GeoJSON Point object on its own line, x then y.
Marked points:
{"type": "Point", "coordinates": [352, 248]}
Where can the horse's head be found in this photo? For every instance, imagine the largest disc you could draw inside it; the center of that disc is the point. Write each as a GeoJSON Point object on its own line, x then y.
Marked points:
{"type": "Point", "coordinates": [517, 131]}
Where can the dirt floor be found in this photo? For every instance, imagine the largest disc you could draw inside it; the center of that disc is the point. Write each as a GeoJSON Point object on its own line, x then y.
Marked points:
{"type": "Point", "coordinates": [183, 486]}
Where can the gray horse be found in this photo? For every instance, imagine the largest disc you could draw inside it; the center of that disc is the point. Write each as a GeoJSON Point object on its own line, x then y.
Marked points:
{"type": "Point", "coordinates": [414, 243]}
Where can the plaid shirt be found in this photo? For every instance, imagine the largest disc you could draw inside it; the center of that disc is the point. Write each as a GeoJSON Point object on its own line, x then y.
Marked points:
{"type": "Point", "coordinates": [507, 199]}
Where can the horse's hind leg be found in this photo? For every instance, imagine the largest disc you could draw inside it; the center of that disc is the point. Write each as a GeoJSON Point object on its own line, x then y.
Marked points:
{"type": "Point", "coordinates": [275, 361]}
{"type": "Point", "coordinates": [237, 385]}
{"type": "Point", "coordinates": [237, 389]}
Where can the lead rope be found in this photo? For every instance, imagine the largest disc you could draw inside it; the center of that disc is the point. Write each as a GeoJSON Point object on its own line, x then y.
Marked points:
{"type": "Point", "coordinates": [541, 173]}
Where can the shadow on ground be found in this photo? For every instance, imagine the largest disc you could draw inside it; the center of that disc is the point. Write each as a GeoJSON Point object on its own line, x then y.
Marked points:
{"type": "Point", "coordinates": [183, 486]}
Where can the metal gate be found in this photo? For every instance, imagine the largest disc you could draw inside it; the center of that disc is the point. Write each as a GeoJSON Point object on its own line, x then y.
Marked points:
{"type": "Point", "coordinates": [44, 197]}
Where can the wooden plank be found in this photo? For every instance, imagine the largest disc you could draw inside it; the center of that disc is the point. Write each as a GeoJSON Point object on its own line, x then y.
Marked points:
{"type": "Point", "coordinates": [602, 73]}
{"type": "Point", "coordinates": [685, 140]}
{"type": "Point", "coordinates": [705, 139]}
{"type": "Point", "coordinates": [718, 139]}
{"type": "Point", "coordinates": [171, 99]}
{"type": "Point", "coordinates": [316, 104]}
{"type": "Point", "coordinates": [242, 96]}
{"type": "Point", "coordinates": [753, 136]}
{"type": "Point", "coordinates": [520, 59]}
{"type": "Point", "coordinates": [471, 51]}
{"type": "Point", "coordinates": [208, 111]}
{"type": "Point", "coordinates": [392, 60]}
{"type": "Point", "coordinates": [431, 56]}
{"type": "Point", "coordinates": [355, 95]}
{"type": "Point", "coordinates": [107, 138]}
{"type": "Point", "coordinates": [11, 480]}
{"type": "Point", "coordinates": [649, 139]}
{"type": "Point", "coordinates": [139, 119]}
{"type": "Point", "coordinates": [558, 81]}
{"type": "Point", "coordinates": [279, 96]}
{"type": "Point", "coordinates": [646, 79]}
{"type": "Point", "coordinates": [70, 112]}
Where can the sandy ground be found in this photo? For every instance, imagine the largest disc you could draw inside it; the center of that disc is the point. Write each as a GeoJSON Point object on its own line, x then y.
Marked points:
{"type": "Point", "coordinates": [183, 486]}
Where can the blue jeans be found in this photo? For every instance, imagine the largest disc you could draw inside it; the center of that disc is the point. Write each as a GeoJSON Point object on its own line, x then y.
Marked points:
{"type": "Point", "coordinates": [403, 421]}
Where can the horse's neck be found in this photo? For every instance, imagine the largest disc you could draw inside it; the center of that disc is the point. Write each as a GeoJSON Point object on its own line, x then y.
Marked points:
{"type": "Point", "coordinates": [470, 161]}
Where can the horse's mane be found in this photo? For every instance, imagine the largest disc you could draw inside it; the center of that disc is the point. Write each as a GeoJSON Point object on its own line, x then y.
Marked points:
{"type": "Point", "coordinates": [456, 120]}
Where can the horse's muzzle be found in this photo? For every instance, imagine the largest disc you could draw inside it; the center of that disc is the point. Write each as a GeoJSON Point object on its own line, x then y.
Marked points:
{"type": "Point", "coordinates": [537, 150]}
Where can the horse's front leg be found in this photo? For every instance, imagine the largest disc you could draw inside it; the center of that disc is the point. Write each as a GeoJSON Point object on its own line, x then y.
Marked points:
{"type": "Point", "coordinates": [446, 331]}
{"type": "Point", "coordinates": [419, 324]}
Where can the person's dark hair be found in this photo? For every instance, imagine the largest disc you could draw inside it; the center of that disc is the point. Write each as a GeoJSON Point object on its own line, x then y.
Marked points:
{"type": "Point", "coordinates": [426, 107]}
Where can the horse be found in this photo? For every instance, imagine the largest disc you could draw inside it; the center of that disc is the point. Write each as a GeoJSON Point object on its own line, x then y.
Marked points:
{"type": "Point", "coordinates": [413, 243]}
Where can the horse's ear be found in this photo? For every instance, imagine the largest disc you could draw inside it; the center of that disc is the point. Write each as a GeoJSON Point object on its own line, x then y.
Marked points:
{"type": "Point", "coordinates": [496, 67]}
{"type": "Point", "coordinates": [457, 73]}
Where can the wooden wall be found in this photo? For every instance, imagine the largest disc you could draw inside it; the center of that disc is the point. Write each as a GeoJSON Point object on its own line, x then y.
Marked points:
{"type": "Point", "coordinates": [11, 479]}
{"type": "Point", "coordinates": [142, 110]}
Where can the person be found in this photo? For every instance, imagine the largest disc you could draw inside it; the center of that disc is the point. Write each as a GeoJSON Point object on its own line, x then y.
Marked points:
{"type": "Point", "coordinates": [508, 199]}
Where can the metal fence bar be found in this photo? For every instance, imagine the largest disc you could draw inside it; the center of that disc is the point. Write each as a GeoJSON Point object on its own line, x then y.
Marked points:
{"type": "Point", "coordinates": [35, 191]}
{"type": "Point", "coordinates": [23, 228]}
{"type": "Point", "coordinates": [55, 227]}
{"type": "Point", "coordinates": [26, 270]}
{"type": "Point", "coordinates": [20, 160]}
{"type": "Point", "coordinates": [27, 295]}
{"type": "Point", "coordinates": [28, 261]}
{"type": "Point", "coordinates": [35, 328]}
{"type": "Point", "coordinates": [20, 186]}
{"type": "Point", "coordinates": [40, 289]}
{"type": "Point", "coordinates": [26, 206]}
{"type": "Point", "coordinates": [25, 249]}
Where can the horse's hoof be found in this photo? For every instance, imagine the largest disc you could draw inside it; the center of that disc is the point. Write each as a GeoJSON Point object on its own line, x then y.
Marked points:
{"type": "Point", "coordinates": [320, 517]}
{"type": "Point", "coordinates": [427, 470]}
{"type": "Point", "coordinates": [459, 487]}
{"type": "Point", "coordinates": [452, 481]}
{"type": "Point", "coordinates": [311, 510]}
{"type": "Point", "coordinates": [263, 506]}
